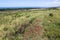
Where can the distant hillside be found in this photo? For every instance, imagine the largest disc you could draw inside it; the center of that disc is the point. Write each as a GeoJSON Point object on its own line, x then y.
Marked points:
{"type": "Point", "coordinates": [4, 9]}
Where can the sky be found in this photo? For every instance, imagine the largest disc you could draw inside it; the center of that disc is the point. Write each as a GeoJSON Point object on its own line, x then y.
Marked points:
{"type": "Point", "coordinates": [29, 3]}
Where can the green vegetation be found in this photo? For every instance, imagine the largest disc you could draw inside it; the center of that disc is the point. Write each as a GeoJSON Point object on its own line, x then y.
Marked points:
{"type": "Point", "coordinates": [33, 24]}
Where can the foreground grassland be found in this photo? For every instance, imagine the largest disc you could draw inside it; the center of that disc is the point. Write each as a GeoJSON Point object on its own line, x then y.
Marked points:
{"type": "Point", "coordinates": [30, 24]}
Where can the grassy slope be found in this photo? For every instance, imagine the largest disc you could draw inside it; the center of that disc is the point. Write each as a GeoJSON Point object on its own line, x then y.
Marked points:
{"type": "Point", "coordinates": [11, 24]}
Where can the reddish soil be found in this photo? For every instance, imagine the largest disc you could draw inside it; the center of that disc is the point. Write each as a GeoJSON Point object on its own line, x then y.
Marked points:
{"type": "Point", "coordinates": [34, 30]}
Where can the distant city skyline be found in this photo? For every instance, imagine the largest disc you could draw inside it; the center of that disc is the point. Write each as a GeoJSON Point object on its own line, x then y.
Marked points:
{"type": "Point", "coordinates": [29, 3]}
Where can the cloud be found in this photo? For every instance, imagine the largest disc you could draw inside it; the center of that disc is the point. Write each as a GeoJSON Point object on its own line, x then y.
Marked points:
{"type": "Point", "coordinates": [53, 3]}
{"type": "Point", "coordinates": [56, 0]}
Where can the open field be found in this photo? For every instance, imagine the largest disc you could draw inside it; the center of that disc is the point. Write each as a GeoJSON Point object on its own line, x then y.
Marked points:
{"type": "Point", "coordinates": [33, 24]}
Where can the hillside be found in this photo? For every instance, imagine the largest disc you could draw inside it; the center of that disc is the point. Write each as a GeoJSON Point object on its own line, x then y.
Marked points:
{"type": "Point", "coordinates": [31, 24]}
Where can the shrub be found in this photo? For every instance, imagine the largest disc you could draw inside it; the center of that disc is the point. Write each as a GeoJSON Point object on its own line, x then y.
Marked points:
{"type": "Point", "coordinates": [51, 14]}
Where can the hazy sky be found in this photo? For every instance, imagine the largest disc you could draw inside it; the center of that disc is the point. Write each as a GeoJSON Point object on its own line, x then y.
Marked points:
{"type": "Point", "coordinates": [29, 3]}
